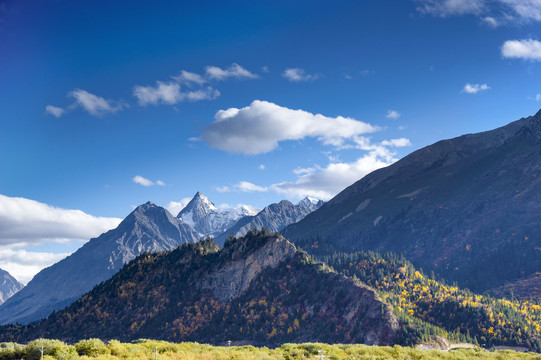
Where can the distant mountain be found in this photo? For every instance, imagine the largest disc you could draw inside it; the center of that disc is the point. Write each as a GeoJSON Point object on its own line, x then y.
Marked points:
{"type": "Point", "coordinates": [148, 228]}
{"type": "Point", "coordinates": [205, 218]}
{"type": "Point", "coordinates": [467, 208]}
{"type": "Point", "coordinates": [257, 290]}
{"type": "Point", "coordinates": [274, 217]}
{"type": "Point", "coordinates": [8, 286]}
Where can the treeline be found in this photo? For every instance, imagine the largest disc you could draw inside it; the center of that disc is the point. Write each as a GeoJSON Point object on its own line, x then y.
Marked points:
{"type": "Point", "coordinates": [418, 298]}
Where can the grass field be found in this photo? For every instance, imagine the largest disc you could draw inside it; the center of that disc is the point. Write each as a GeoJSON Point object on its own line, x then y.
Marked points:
{"type": "Point", "coordinates": [145, 350]}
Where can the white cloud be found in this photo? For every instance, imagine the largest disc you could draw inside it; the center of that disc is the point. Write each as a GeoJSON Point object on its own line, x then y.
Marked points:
{"type": "Point", "coordinates": [190, 77]}
{"type": "Point", "coordinates": [246, 186]}
{"type": "Point", "coordinates": [23, 265]}
{"type": "Point", "coordinates": [235, 71]}
{"type": "Point", "coordinates": [259, 127]}
{"type": "Point", "coordinates": [261, 167]}
{"type": "Point", "coordinates": [491, 12]}
{"type": "Point", "coordinates": [444, 8]}
{"type": "Point", "coordinates": [297, 75]}
{"type": "Point", "coordinates": [474, 88]}
{"type": "Point", "coordinates": [538, 97]}
{"type": "Point", "coordinates": [174, 207]}
{"type": "Point", "coordinates": [401, 142]}
{"type": "Point", "coordinates": [202, 94]}
{"type": "Point", "coordinates": [24, 222]}
{"type": "Point", "coordinates": [527, 49]}
{"type": "Point", "coordinates": [324, 183]}
{"type": "Point", "coordinates": [489, 20]}
{"type": "Point", "coordinates": [525, 9]}
{"type": "Point", "coordinates": [243, 186]}
{"type": "Point", "coordinates": [55, 111]}
{"type": "Point", "coordinates": [169, 93]}
{"type": "Point", "coordinates": [138, 179]}
{"type": "Point", "coordinates": [94, 104]}
{"type": "Point", "coordinates": [392, 114]}
{"type": "Point", "coordinates": [327, 182]}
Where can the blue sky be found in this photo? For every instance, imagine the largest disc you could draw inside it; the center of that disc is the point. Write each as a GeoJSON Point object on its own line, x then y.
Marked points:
{"type": "Point", "coordinates": [106, 105]}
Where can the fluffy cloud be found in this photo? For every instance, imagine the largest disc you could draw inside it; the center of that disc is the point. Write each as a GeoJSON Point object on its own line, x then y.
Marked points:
{"type": "Point", "coordinates": [25, 222]}
{"type": "Point", "coordinates": [327, 182]}
{"type": "Point", "coordinates": [522, 49]}
{"type": "Point", "coordinates": [392, 114]}
{"type": "Point", "coordinates": [259, 127]}
{"type": "Point", "coordinates": [444, 8]}
{"type": "Point", "coordinates": [174, 207]}
{"type": "Point", "coordinates": [474, 88]}
{"type": "Point", "coordinates": [493, 13]}
{"type": "Point", "coordinates": [169, 93]}
{"type": "Point", "coordinates": [324, 183]}
{"type": "Point", "coordinates": [190, 77]}
{"type": "Point", "coordinates": [298, 75]}
{"type": "Point", "coordinates": [235, 71]}
{"type": "Point", "coordinates": [401, 142]}
{"type": "Point", "coordinates": [94, 104]}
{"type": "Point", "coordinates": [23, 265]}
{"type": "Point", "coordinates": [526, 9]}
{"type": "Point", "coordinates": [55, 111]}
{"type": "Point", "coordinates": [138, 179]}
{"type": "Point", "coordinates": [243, 186]}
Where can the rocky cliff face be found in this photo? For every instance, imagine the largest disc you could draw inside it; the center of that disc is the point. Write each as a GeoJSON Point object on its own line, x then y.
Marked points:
{"type": "Point", "coordinates": [242, 264]}
{"type": "Point", "coordinates": [466, 208]}
{"type": "Point", "coordinates": [257, 290]}
{"type": "Point", "coordinates": [148, 228]}
{"type": "Point", "coordinates": [9, 286]}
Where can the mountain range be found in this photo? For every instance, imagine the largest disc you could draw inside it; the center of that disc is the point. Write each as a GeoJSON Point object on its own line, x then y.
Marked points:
{"type": "Point", "coordinates": [466, 208]}
{"type": "Point", "coordinates": [274, 217]}
{"type": "Point", "coordinates": [207, 220]}
{"type": "Point", "coordinates": [148, 228]}
{"type": "Point", "coordinates": [8, 286]}
{"type": "Point", "coordinates": [258, 289]}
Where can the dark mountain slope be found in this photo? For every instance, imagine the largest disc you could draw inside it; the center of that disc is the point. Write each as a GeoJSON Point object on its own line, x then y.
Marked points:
{"type": "Point", "coordinates": [259, 290]}
{"type": "Point", "coordinates": [147, 228]}
{"type": "Point", "coordinates": [467, 208]}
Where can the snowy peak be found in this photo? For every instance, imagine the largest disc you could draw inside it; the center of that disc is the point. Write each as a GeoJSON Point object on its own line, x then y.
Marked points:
{"type": "Point", "coordinates": [8, 286]}
{"type": "Point", "coordinates": [196, 211]}
{"type": "Point", "coordinates": [310, 204]}
{"type": "Point", "coordinates": [205, 218]}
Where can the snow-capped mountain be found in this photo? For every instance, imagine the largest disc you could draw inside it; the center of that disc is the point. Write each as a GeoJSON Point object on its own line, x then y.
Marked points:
{"type": "Point", "coordinates": [274, 217]}
{"type": "Point", "coordinates": [8, 286]}
{"type": "Point", "coordinates": [148, 228]}
{"type": "Point", "coordinates": [208, 220]}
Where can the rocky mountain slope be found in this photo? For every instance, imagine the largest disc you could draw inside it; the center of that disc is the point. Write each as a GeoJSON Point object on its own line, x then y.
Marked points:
{"type": "Point", "coordinates": [258, 290]}
{"type": "Point", "coordinates": [148, 228]}
{"type": "Point", "coordinates": [467, 208]}
{"type": "Point", "coordinates": [274, 217]}
{"type": "Point", "coordinates": [205, 218]}
{"type": "Point", "coordinates": [8, 286]}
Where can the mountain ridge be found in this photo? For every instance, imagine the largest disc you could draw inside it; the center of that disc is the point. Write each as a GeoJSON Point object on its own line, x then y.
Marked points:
{"type": "Point", "coordinates": [443, 205]}
{"type": "Point", "coordinates": [147, 228]}
{"type": "Point", "coordinates": [261, 281]}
